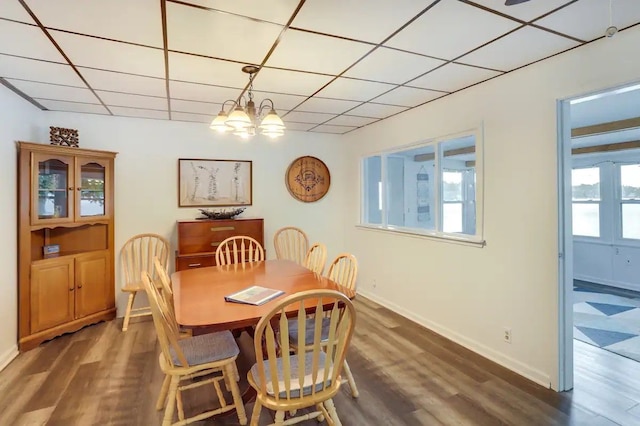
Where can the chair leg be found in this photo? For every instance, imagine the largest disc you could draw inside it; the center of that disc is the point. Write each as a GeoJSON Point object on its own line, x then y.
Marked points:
{"type": "Point", "coordinates": [171, 401]}
{"type": "Point", "coordinates": [255, 414]}
{"type": "Point", "coordinates": [127, 312]}
{"type": "Point", "coordinates": [179, 404]}
{"type": "Point", "coordinates": [235, 392]}
{"type": "Point", "coordinates": [279, 420]}
{"type": "Point", "coordinates": [162, 398]}
{"type": "Point", "coordinates": [331, 409]}
{"type": "Point", "coordinates": [352, 382]}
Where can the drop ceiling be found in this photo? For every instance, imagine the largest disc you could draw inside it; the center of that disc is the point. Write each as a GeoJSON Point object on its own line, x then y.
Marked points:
{"type": "Point", "coordinates": [330, 66]}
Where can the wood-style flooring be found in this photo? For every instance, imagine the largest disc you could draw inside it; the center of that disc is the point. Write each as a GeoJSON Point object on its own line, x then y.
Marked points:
{"type": "Point", "coordinates": [406, 375]}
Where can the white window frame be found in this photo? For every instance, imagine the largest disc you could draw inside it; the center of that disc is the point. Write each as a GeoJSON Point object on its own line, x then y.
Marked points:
{"type": "Point", "coordinates": [476, 239]}
{"type": "Point", "coordinates": [610, 194]}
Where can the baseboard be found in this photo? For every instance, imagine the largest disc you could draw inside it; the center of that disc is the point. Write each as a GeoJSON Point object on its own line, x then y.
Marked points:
{"type": "Point", "coordinates": [610, 283]}
{"type": "Point", "coordinates": [8, 356]}
{"type": "Point", "coordinates": [516, 366]}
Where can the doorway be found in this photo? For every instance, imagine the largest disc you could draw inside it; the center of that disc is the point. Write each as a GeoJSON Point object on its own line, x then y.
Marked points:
{"type": "Point", "coordinates": [599, 247]}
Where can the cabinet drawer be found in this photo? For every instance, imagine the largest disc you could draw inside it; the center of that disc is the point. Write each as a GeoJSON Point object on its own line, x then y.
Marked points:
{"type": "Point", "coordinates": [192, 262]}
{"type": "Point", "coordinates": [206, 236]}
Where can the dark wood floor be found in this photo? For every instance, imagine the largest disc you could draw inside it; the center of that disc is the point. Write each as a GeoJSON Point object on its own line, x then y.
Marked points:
{"type": "Point", "coordinates": [406, 375]}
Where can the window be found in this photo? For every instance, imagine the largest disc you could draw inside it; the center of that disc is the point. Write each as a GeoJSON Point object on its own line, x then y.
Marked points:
{"type": "Point", "coordinates": [430, 188]}
{"type": "Point", "coordinates": [630, 200]}
{"type": "Point", "coordinates": [585, 191]}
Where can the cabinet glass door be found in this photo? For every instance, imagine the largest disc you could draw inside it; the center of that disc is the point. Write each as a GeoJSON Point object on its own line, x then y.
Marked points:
{"type": "Point", "coordinates": [53, 184]}
{"type": "Point", "coordinates": [92, 189]}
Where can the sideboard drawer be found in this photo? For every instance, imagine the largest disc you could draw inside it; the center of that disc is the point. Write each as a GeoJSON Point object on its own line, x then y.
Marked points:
{"type": "Point", "coordinates": [192, 262]}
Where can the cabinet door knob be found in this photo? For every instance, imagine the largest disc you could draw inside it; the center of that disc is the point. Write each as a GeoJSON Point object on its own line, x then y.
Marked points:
{"type": "Point", "coordinates": [71, 289]}
{"type": "Point", "coordinates": [70, 188]}
{"type": "Point", "coordinates": [78, 188]}
{"type": "Point", "coordinates": [80, 286]}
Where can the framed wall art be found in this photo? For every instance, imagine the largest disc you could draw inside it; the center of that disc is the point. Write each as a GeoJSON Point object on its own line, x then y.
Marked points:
{"type": "Point", "coordinates": [214, 183]}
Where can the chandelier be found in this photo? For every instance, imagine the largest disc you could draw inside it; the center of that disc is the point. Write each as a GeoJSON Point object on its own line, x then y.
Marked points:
{"type": "Point", "coordinates": [243, 120]}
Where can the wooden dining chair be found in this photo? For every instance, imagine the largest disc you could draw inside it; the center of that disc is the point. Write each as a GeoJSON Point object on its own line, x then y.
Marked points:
{"type": "Point", "coordinates": [239, 249]}
{"type": "Point", "coordinates": [308, 378]}
{"type": "Point", "coordinates": [137, 256]}
{"type": "Point", "coordinates": [316, 257]}
{"type": "Point", "coordinates": [344, 271]}
{"type": "Point", "coordinates": [291, 243]}
{"type": "Point", "coordinates": [208, 358]}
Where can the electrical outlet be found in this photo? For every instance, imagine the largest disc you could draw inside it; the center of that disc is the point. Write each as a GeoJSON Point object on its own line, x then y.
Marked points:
{"type": "Point", "coordinates": [374, 284]}
{"type": "Point", "coordinates": [506, 334]}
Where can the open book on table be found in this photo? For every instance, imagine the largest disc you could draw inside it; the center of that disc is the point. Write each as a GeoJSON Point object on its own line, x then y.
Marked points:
{"type": "Point", "coordinates": [254, 295]}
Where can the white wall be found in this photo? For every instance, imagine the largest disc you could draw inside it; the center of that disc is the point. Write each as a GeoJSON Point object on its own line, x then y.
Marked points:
{"type": "Point", "coordinates": [17, 122]}
{"type": "Point", "coordinates": [466, 293]}
{"type": "Point", "coordinates": [147, 176]}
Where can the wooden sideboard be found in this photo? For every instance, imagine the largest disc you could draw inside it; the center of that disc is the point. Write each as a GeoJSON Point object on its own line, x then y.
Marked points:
{"type": "Point", "coordinates": [199, 239]}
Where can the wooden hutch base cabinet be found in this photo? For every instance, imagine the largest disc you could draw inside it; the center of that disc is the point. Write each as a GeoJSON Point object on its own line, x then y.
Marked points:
{"type": "Point", "coordinates": [199, 239]}
{"type": "Point", "coordinates": [65, 240]}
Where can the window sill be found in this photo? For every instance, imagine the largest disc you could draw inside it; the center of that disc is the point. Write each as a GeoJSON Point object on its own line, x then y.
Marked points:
{"type": "Point", "coordinates": [467, 240]}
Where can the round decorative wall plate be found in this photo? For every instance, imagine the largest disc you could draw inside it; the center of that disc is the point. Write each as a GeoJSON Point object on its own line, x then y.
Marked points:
{"type": "Point", "coordinates": [308, 179]}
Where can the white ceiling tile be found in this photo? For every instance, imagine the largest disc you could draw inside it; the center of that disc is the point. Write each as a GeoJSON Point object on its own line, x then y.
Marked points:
{"type": "Point", "coordinates": [196, 69]}
{"type": "Point", "coordinates": [352, 120]}
{"type": "Point", "coordinates": [132, 101]}
{"type": "Point", "coordinates": [433, 34]}
{"type": "Point", "coordinates": [299, 126]}
{"type": "Point", "coordinates": [119, 82]}
{"type": "Point", "coordinates": [588, 19]}
{"type": "Point", "coordinates": [524, 11]}
{"type": "Point", "coordinates": [55, 92]}
{"type": "Point", "coordinates": [218, 34]}
{"type": "Point", "coordinates": [328, 55]}
{"type": "Point", "coordinates": [337, 17]}
{"type": "Point", "coordinates": [392, 66]}
{"type": "Point", "coordinates": [376, 110]}
{"type": "Point", "coordinates": [352, 89]}
{"type": "Point", "coordinates": [12, 9]}
{"type": "Point", "coordinates": [183, 116]}
{"type": "Point", "coordinates": [289, 82]}
{"type": "Point", "coordinates": [280, 102]}
{"type": "Point", "coordinates": [34, 70]}
{"type": "Point", "coordinates": [452, 77]}
{"type": "Point", "coordinates": [27, 40]}
{"type": "Point", "coordinates": [141, 113]}
{"type": "Point", "coordinates": [307, 117]}
{"type": "Point", "coordinates": [111, 55]}
{"type": "Point", "coordinates": [202, 92]}
{"type": "Point", "coordinates": [278, 11]}
{"type": "Point", "coordinates": [326, 128]}
{"type": "Point", "coordinates": [137, 21]}
{"type": "Point", "coordinates": [408, 96]}
{"type": "Point", "coordinates": [73, 106]}
{"type": "Point", "coordinates": [195, 107]}
{"type": "Point", "coordinates": [524, 46]}
{"type": "Point", "coordinates": [333, 106]}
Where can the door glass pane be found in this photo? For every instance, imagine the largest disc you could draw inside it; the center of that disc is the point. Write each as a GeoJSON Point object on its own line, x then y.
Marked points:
{"type": "Point", "coordinates": [630, 181]}
{"type": "Point", "coordinates": [53, 177]}
{"type": "Point", "coordinates": [631, 221]}
{"type": "Point", "coordinates": [395, 191]}
{"type": "Point", "coordinates": [451, 185]}
{"type": "Point", "coordinates": [585, 184]}
{"type": "Point", "coordinates": [372, 179]}
{"type": "Point", "coordinates": [452, 217]}
{"type": "Point", "coordinates": [92, 177]}
{"type": "Point", "coordinates": [586, 219]}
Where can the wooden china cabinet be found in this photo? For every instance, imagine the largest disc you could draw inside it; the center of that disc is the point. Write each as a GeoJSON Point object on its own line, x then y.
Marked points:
{"type": "Point", "coordinates": [65, 240]}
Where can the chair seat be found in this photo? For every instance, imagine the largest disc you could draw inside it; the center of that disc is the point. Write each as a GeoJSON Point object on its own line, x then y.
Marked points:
{"type": "Point", "coordinates": [207, 348]}
{"type": "Point", "coordinates": [294, 376]}
{"type": "Point", "coordinates": [137, 286]}
{"type": "Point", "coordinates": [310, 325]}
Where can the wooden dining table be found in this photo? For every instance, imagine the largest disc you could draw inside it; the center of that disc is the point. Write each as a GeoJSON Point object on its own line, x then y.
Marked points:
{"type": "Point", "coordinates": [199, 294]}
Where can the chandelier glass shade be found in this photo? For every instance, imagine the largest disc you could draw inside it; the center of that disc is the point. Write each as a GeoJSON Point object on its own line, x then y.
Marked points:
{"type": "Point", "coordinates": [245, 120]}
